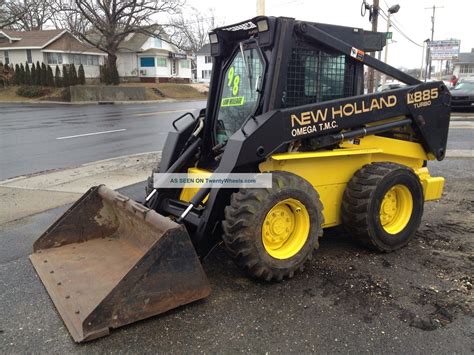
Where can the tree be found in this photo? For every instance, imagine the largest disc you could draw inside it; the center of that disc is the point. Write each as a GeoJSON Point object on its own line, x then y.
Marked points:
{"type": "Point", "coordinates": [22, 74]}
{"type": "Point", "coordinates": [16, 78]}
{"type": "Point", "coordinates": [190, 33]}
{"type": "Point", "coordinates": [33, 74]}
{"type": "Point", "coordinates": [29, 15]}
{"type": "Point", "coordinates": [72, 75]}
{"type": "Point", "coordinates": [38, 73]}
{"type": "Point", "coordinates": [50, 77]}
{"type": "Point", "coordinates": [103, 74]}
{"type": "Point", "coordinates": [108, 22]}
{"type": "Point", "coordinates": [65, 80]}
{"type": "Point", "coordinates": [27, 74]}
{"type": "Point", "coordinates": [81, 75]}
{"type": "Point", "coordinates": [44, 75]}
{"type": "Point", "coordinates": [7, 16]}
{"type": "Point", "coordinates": [57, 77]}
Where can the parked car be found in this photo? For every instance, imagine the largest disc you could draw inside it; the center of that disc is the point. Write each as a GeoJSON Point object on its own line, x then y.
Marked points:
{"type": "Point", "coordinates": [462, 95]}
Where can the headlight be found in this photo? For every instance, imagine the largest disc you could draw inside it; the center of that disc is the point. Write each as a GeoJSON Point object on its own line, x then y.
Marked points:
{"type": "Point", "coordinates": [213, 38]}
{"type": "Point", "coordinates": [262, 26]}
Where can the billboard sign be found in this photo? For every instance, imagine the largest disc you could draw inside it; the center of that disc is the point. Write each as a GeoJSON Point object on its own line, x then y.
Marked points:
{"type": "Point", "coordinates": [445, 49]}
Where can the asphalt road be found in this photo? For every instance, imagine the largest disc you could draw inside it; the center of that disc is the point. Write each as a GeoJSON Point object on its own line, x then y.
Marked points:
{"type": "Point", "coordinates": [348, 300]}
{"type": "Point", "coordinates": [41, 137]}
{"type": "Point", "coordinates": [36, 138]}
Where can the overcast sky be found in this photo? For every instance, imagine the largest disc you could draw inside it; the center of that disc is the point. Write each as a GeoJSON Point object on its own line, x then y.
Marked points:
{"type": "Point", "coordinates": [454, 20]}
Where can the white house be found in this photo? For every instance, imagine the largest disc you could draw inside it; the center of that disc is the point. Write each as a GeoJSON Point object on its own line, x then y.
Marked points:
{"type": "Point", "coordinates": [204, 64]}
{"type": "Point", "coordinates": [464, 65]}
{"type": "Point", "coordinates": [53, 47]}
{"type": "Point", "coordinates": [152, 59]}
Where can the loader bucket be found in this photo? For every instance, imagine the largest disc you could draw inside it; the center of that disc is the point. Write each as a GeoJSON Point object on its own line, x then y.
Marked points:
{"type": "Point", "coordinates": [109, 261]}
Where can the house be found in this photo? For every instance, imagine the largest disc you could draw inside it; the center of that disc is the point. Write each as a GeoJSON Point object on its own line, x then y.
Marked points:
{"type": "Point", "coordinates": [140, 56]}
{"type": "Point", "coordinates": [53, 47]}
{"type": "Point", "coordinates": [152, 59]}
{"type": "Point", "coordinates": [464, 65]}
{"type": "Point", "coordinates": [204, 64]}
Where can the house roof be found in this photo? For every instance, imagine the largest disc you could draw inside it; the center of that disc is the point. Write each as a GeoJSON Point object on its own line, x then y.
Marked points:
{"type": "Point", "coordinates": [134, 43]}
{"type": "Point", "coordinates": [30, 38]}
{"type": "Point", "coordinates": [205, 50]}
{"type": "Point", "coordinates": [57, 40]}
{"type": "Point", "coordinates": [465, 58]}
{"type": "Point", "coordinates": [69, 43]}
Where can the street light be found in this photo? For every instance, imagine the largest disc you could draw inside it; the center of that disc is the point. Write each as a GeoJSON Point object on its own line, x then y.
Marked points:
{"type": "Point", "coordinates": [392, 10]}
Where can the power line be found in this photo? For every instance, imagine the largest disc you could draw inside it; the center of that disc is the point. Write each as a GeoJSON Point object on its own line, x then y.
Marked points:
{"type": "Point", "coordinates": [384, 16]}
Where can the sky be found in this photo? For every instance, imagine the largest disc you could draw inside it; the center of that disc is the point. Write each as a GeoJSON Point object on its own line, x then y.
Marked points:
{"type": "Point", "coordinates": [454, 20]}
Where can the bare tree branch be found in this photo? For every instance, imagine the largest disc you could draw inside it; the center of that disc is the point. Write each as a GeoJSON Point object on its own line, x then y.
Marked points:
{"type": "Point", "coordinates": [190, 33]}
{"type": "Point", "coordinates": [25, 15]}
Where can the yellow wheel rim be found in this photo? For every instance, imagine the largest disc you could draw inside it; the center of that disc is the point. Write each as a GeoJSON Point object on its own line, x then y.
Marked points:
{"type": "Point", "coordinates": [285, 229]}
{"type": "Point", "coordinates": [396, 209]}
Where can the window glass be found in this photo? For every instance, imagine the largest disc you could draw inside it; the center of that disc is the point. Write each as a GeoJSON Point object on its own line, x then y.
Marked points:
{"type": "Point", "coordinates": [207, 59]}
{"type": "Point", "coordinates": [90, 60]}
{"type": "Point", "coordinates": [77, 59]}
{"type": "Point", "coordinates": [206, 74]}
{"type": "Point", "coordinates": [157, 42]}
{"type": "Point", "coordinates": [147, 62]}
{"type": "Point", "coordinates": [161, 62]}
{"type": "Point", "coordinates": [184, 63]}
{"type": "Point", "coordinates": [29, 57]}
{"type": "Point", "coordinates": [55, 58]}
{"type": "Point", "coordinates": [239, 96]}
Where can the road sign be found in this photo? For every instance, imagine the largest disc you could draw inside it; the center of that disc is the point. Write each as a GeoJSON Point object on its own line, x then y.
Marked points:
{"type": "Point", "coordinates": [388, 35]}
{"type": "Point", "coordinates": [445, 49]}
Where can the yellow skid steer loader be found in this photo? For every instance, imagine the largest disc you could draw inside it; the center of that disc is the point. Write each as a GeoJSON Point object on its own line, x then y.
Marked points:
{"type": "Point", "coordinates": [286, 97]}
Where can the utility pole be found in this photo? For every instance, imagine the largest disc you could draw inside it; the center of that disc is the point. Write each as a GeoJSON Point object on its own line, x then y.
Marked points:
{"type": "Point", "coordinates": [392, 10]}
{"type": "Point", "coordinates": [260, 7]}
{"type": "Point", "coordinates": [375, 19]}
{"type": "Point", "coordinates": [432, 35]}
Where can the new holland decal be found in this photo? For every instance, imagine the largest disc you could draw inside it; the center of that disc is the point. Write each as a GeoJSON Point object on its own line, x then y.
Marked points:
{"type": "Point", "coordinates": [309, 122]}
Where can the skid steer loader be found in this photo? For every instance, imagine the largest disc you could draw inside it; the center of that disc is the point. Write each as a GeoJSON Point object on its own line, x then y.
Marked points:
{"type": "Point", "coordinates": [285, 97]}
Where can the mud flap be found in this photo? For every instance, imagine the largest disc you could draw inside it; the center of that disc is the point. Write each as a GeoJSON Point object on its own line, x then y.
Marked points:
{"type": "Point", "coordinates": [109, 261]}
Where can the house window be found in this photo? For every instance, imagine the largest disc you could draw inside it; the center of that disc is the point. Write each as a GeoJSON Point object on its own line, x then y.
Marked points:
{"type": "Point", "coordinates": [467, 68]}
{"type": "Point", "coordinates": [184, 64]}
{"type": "Point", "coordinates": [84, 59]}
{"type": "Point", "coordinates": [147, 62]}
{"type": "Point", "coordinates": [206, 74]}
{"type": "Point", "coordinates": [157, 42]}
{"type": "Point", "coordinates": [29, 57]}
{"type": "Point", "coordinates": [161, 62]}
{"type": "Point", "coordinates": [207, 59]}
{"type": "Point", "coordinates": [54, 58]}
{"type": "Point", "coordinates": [7, 58]}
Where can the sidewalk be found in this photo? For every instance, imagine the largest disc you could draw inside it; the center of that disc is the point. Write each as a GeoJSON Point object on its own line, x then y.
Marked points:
{"type": "Point", "coordinates": [31, 102]}
{"type": "Point", "coordinates": [27, 195]}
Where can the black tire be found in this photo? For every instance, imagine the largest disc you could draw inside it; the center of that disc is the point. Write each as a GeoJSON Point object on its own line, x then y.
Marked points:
{"type": "Point", "coordinates": [243, 226]}
{"type": "Point", "coordinates": [362, 202]}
